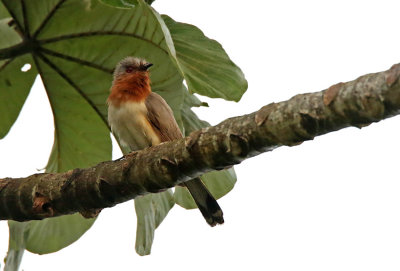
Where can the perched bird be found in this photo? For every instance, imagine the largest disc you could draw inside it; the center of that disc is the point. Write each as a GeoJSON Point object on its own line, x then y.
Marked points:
{"type": "Point", "coordinates": [141, 118]}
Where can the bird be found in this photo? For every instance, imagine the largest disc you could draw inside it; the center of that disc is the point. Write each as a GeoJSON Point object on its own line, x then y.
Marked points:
{"type": "Point", "coordinates": [141, 118]}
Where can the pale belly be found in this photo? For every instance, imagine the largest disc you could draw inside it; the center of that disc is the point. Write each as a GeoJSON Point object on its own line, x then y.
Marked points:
{"type": "Point", "coordinates": [130, 125]}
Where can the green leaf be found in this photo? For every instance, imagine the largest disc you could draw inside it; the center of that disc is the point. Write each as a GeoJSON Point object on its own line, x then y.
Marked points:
{"type": "Point", "coordinates": [3, 11]}
{"type": "Point", "coordinates": [204, 63]}
{"type": "Point", "coordinates": [14, 83]}
{"type": "Point", "coordinates": [151, 210]}
{"type": "Point", "coordinates": [76, 62]}
{"type": "Point", "coordinates": [45, 236]}
{"type": "Point", "coordinates": [16, 244]}
{"type": "Point", "coordinates": [52, 234]}
{"type": "Point", "coordinates": [9, 36]}
{"type": "Point", "coordinates": [14, 89]}
{"type": "Point", "coordinates": [76, 44]}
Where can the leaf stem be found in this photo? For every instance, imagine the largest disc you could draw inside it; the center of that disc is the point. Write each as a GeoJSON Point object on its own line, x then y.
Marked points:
{"type": "Point", "coordinates": [26, 46]}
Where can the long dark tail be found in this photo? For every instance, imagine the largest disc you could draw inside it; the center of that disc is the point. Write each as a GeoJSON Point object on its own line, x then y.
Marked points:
{"type": "Point", "coordinates": [208, 206]}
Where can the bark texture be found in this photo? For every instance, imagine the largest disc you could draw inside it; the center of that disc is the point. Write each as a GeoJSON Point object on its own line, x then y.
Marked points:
{"type": "Point", "coordinates": [358, 103]}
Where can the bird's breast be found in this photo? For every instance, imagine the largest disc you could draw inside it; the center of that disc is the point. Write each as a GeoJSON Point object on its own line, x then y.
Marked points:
{"type": "Point", "coordinates": [129, 123]}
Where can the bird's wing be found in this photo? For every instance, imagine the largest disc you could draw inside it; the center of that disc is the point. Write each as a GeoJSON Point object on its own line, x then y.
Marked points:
{"type": "Point", "coordinates": [164, 125]}
{"type": "Point", "coordinates": [161, 117]}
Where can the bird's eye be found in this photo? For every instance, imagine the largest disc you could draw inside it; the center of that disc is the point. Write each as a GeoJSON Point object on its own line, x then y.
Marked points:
{"type": "Point", "coordinates": [129, 69]}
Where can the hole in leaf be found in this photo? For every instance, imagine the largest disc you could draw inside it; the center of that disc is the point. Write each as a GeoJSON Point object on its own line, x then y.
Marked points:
{"type": "Point", "coordinates": [26, 67]}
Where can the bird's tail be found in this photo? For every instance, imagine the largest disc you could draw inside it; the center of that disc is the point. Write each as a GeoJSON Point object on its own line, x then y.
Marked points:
{"type": "Point", "coordinates": [208, 206]}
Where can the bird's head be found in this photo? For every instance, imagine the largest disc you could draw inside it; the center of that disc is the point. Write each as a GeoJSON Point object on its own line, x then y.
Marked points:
{"type": "Point", "coordinates": [131, 65]}
{"type": "Point", "coordinates": [131, 81]}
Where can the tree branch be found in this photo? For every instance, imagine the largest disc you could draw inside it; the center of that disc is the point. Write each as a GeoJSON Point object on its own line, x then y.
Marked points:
{"type": "Point", "coordinates": [367, 99]}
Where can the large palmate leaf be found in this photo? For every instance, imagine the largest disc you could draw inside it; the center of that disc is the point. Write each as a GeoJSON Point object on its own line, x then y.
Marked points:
{"type": "Point", "coordinates": [75, 63]}
{"type": "Point", "coordinates": [74, 46]}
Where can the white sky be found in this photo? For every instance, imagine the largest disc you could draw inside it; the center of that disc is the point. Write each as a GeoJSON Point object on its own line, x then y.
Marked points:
{"type": "Point", "coordinates": [329, 204]}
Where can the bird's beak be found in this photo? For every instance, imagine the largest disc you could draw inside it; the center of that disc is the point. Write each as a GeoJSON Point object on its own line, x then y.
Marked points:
{"type": "Point", "coordinates": [147, 66]}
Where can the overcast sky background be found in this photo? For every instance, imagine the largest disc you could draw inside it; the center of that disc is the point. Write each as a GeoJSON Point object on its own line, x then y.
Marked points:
{"type": "Point", "coordinates": [329, 204]}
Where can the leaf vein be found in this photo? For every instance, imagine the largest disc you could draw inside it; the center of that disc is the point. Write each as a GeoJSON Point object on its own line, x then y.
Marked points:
{"type": "Point", "coordinates": [76, 60]}
{"type": "Point", "coordinates": [99, 33]}
{"type": "Point", "coordinates": [76, 87]}
{"type": "Point", "coordinates": [47, 18]}
{"type": "Point", "coordinates": [25, 18]}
